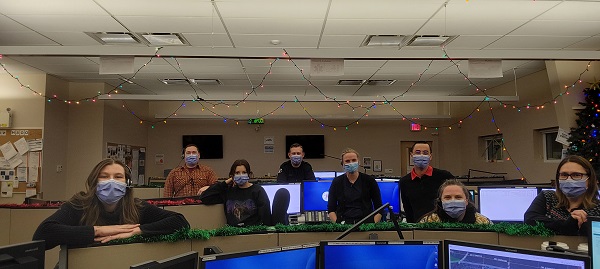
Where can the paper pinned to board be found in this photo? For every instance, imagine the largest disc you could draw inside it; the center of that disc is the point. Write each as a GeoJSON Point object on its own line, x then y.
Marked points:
{"type": "Point", "coordinates": [35, 144]}
{"type": "Point", "coordinates": [8, 151]}
{"type": "Point", "coordinates": [6, 188]}
{"type": "Point", "coordinates": [22, 146]}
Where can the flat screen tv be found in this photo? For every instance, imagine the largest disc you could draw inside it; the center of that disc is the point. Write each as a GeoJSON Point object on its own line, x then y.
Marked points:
{"type": "Point", "coordinates": [379, 254]}
{"type": "Point", "coordinates": [295, 190]}
{"type": "Point", "coordinates": [291, 257]}
{"type": "Point", "coordinates": [29, 255]}
{"type": "Point", "coordinates": [312, 145]}
{"type": "Point", "coordinates": [315, 195]}
{"type": "Point", "coordinates": [458, 255]}
{"type": "Point", "coordinates": [494, 201]}
{"type": "Point", "coordinates": [210, 146]}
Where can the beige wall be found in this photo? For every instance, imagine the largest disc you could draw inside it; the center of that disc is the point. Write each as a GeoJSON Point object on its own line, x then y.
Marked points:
{"type": "Point", "coordinates": [56, 138]}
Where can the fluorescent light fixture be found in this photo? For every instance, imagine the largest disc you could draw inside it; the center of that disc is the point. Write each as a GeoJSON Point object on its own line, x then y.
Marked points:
{"type": "Point", "coordinates": [430, 40]}
{"type": "Point", "coordinates": [114, 38]}
{"type": "Point", "coordinates": [192, 81]}
{"type": "Point", "coordinates": [383, 40]}
{"type": "Point", "coordinates": [350, 82]}
{"type": "Point", "coordinates": [164, 39]}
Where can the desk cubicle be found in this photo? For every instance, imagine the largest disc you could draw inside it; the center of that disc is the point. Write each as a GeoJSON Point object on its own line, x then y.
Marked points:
{"type": "Point", "coordinates": [205, 217]}
{"type": "Point", "coordinates": [148, 193]}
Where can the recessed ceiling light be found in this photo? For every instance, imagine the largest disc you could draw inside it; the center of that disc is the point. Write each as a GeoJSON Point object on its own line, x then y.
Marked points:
{"type": "Point", "coordinates": [383, 40]}
{"type": "Point", "coordinates": [114, 38]}
{"type": "Point", "coordinates": [164, 39]}
{"type": "Point", "coordinates": [430, 40]}
{"type": "Point", "coordinates": [380, 82]}
{"type": "Point", "coordinates": [190, 81]}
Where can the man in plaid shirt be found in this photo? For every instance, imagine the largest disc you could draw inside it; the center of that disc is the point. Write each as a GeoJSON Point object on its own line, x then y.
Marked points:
{"type": "Point", "coordinates": [186, 180]}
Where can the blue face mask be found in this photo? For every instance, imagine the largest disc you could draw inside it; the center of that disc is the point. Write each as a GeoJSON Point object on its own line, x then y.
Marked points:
{"type": "Point", "coordinates": [421, 161]}
{"type": "Point", "coordinates": [241, 179]}
{"type": "Point", "coordinates": [191, 159]}
{"type": "Point", "coordinates": [454, 208]}
{"type": "Point", "coordinates": [573, 188]}
{"type": "Point", "coordinates": [110, 191]}
{"type": "Point", "coordinates": [296, 159]}
{"type": "Point", "coordinates": [351, 167]}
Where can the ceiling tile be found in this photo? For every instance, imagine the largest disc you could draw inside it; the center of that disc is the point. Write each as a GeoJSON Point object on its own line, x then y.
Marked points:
{"type": "Point", "coordinates": [290, 26]}
{"type": "Point", "coordinates": [159, 8]}
{"type": "Point", "coordinates": [566, 10]}
{"type": "Point", "coordinates": [208, 40]}
{"type": "Point", "coordinates": [286, 41]}
{"type": "Point", "coordinates": [71, 38]}
{"type": "Point", "coordinates": [154, 24]}
{"type": "Point", "coordinates": [372, 27]}
{"type": "Point", "coordinates": [70, 23]}
{"type": "Point", "coordinates": [24, 39]}
{"type": "Point", "coordinates": [558, 28]}
{"type": "Point", "coordinates": [383, 9]}
{"type": "Point", "coordinates": [592, 43]}
{"type": "Point", "coordinates": [534, 42]}
{"type": "Point", "coordinates": [306, 9]}
{"type": "Point", "coordinates": [54, 7]}
{"type": "Point", "coordinates": [471, 42]}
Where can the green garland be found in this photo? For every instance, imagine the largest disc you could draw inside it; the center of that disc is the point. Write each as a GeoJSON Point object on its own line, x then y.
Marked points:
{"type": "Point", "coordinates": [197, 234]}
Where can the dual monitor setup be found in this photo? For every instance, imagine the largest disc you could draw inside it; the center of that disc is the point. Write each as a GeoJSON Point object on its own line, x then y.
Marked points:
{"type": "Point", "coordinates": [447, 254]}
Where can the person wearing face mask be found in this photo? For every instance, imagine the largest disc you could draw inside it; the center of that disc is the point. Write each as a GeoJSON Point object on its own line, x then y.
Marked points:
{"type": "Point", "coordinates": [566, 209]}
{"type": "Point", "coordinates": [353, 195]}
{"type": "Point", "coordinates": [419, 188]}
{"type": "Point", "coordinates": [186, 180]}
{"type": "Point", "coordinates": [246, 204]}
{"type": "Point", "coordinates": [453, 205]}
{"type": "Point", "coordinates": [295, 170]}
{"type": "Point", "coordinates": [105, 211]}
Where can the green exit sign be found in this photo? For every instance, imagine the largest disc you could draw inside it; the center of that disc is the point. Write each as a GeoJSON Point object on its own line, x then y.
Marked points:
{"type": "Point", "coordinates": [256, 121]}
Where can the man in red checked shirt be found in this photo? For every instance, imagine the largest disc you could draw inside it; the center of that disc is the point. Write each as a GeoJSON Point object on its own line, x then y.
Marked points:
{"type": "Point", "coordinates": [186, 180]}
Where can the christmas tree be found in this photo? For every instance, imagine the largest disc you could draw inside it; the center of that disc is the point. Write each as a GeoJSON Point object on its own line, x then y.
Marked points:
{"type": "Point", "coordinates": [584, 140]}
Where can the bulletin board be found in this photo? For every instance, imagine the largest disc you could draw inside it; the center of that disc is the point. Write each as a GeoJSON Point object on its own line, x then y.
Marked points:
{"type": "Point", "coordinates": [28, 173]}
{"type": "Point", "coordinates": [133, 156]}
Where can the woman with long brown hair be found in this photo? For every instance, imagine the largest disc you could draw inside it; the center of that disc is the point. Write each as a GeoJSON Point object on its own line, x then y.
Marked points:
{"type": "Point", "coordinates": [105, 211]}
{"type": "Point", "coordinates": [576, 197]}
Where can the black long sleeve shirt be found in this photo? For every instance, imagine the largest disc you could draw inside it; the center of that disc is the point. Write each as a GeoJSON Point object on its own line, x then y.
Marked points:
{"type": "Point", "coordinates": [290, 174]}
{"type": "Point", "coordinates": [63, 226]}
{"type": "Point", "coordinates": [419, 194]}
{"type": "Point", "coordinates": [353, 201]}
{"type": "Point", "coordinates": [243, 206]}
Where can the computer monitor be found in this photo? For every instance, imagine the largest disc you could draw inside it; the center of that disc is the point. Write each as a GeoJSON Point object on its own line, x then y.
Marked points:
{"type": "Point", "coordinates": [295, 190]}
{"type": "Point", "coordinates": [325, 175]}
{"type": "Point", "coordinates": [28, 255]}
{"type": "Point", "coordinates": [188, 260]}
{"type": "Point", "coordinates": [494, 201]}
{"type": "Point", "coordinates": [458, 254]}
{"type": "Point", "coordinates": [379, 254]}
{"type": "Point", "coordinates": [291, 257]}
{"type": "Point", "coordinates": [315, 195]}
{"type": "Point", "coordinates": [594, 241]}
{"type": "Point", "coordinates": [390, 193]}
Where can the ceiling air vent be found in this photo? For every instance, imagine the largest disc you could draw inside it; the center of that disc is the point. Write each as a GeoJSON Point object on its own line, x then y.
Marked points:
{"type": "Point", "coordinates": [383, 40]}
{"type": "Point", "coordinates": [380, 82]}
{"type": "Point", "coordinates": [114, 38]}
{"type": "Point", "coordinates": [350, 82]}
{"type": "Point", "coordinates": [430, 40]}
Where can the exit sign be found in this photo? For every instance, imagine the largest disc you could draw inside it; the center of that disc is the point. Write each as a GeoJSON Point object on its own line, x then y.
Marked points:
{"type": "Point", "coordinates": [415, 127]}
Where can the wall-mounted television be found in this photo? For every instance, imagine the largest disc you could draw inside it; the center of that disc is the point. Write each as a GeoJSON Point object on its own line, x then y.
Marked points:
{"type": "Point", "coordinates": [313, 145]}
{"type": "Point", "coordinates": [210, 146]}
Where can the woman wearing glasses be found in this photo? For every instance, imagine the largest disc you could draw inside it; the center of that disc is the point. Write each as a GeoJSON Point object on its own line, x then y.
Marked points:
{"type": "Point", "coordinates": [576, 197]}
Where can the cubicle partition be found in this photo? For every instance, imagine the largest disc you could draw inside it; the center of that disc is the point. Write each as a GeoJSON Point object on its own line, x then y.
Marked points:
{"type": "Point", "coordinates": [4, 226]}
{"type": "Point", "coordinates": [205, 217]}
{"type": "Point", "coordinates": [288, 239]}
{"type": "Point", "coordinates": [237, 243]}
{"type": "Point", "coordinates": [477, 237]}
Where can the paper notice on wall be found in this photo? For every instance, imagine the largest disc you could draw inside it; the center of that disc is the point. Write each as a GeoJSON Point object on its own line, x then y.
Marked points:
{"type": "Point", "coordinates": [8, 151]}
{"type": "Point", "coordinates": [4, 163]}
{"type": "Point", "coordinates": [22, 174]}
{"type": "Point", "coordinates": [22, 146]}
{"type": "Point", "coordinates": [34, 159]}
{"type": "Point", "coordinates": [29, 192]}
{"type": "Point", "coordinates": [33, 174]}
{"type": "Point", "coordinates": [6, 175]}
{"type": "Point", "coordinates": [35, 144]}
{"type": "Point", "coordinates": [6, 188]}
{"type": "Point", "coordinates": [563, 137]}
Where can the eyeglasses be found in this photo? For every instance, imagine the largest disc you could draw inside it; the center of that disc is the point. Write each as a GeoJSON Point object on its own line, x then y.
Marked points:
{"type": "Point", "coordinates": [574, 176]}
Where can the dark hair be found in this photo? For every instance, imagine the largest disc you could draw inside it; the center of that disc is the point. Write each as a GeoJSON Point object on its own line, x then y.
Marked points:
{"type": "Point", "coordinates": [91, 205]}
{"type": "Point", "coordinates": [189, 145]}
{"type": "Point", "coordinates": [239, 163]}
{"type": "Point", "coordinates": [296, 145]}
{"type": "Point", "coordinates": [590, 198]}
{"type": "Point", "coordinates": [421, 142]}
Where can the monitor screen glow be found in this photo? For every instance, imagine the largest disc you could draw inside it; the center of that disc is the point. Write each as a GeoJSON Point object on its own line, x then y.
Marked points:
{"type": "Point", "coordinates": [471, 255]}
{"type": "Point", "coordinates": [295, 257]}
{"type": "Point", "coordinates": [316, 195]}
{"type": "Point", "coordinates": [379, 254]}
{"type": "Point", "coordinates": [324, 175]}
{"type": "Point", "coordinates": [28, 255]}
{"type": "Point", "coordinates": [295, 195]}
{"type": "Point", "coordinates": [493, 202]}
{"type": "Point", "coordinates": [594, 241]}
{"type": "Point", "coordinates": [390, 193]}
